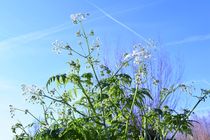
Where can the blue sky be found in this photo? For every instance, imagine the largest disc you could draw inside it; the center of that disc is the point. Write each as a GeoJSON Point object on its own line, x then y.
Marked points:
{"type": "Point", "coordinates": [28, 28]}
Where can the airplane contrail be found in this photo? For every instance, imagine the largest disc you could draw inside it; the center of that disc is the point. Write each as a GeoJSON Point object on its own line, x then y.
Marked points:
{"type": "Point", "coordinates": [117, 21]}
{"type": "Point", "coordinates": [32, 36]}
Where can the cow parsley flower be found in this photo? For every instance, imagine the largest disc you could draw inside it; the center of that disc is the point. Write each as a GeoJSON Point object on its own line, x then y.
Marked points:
{"type": "Point", "coordinates": [127, 56]}
{"type": "Point", "coordinates": [139, 54]}
{"type": "Point", "coordinates": [12, 110]}
{"type": "Point", "coordinates": [58, 46]}
{"type": "Point", "coordinates": [78, 17]}
{"type": "Point", "coordinates": [33, 93]}
{"type": "Point", "coordinates": [96, 44]}
{"type": "Point", "coordinates": [139, 76]}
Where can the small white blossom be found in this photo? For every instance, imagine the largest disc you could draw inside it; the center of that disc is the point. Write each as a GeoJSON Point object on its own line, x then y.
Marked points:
{"type": "Point", "coordinates": [12, 110]}
{"type": "Point", "coordinates": [32, 93]}
{"type": "Point", "coordinates": [139, 54]}
{"type": "Point", "coordinates": [127, 56]}
{"type": "Point", "coordinates": [137, 60]}
{"type": "Point", "coordinates": [96, 44]}
{"type": "Point", "coordinates": [58, 46]}
{"type": "Point", "coordinates": [139, 77]}
{"type": "Point", "coordinates": [30, 89]}
{"type": "Point", "coordinates": [78, 17]}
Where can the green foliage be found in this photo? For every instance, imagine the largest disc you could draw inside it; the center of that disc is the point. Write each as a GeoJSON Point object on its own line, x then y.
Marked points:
{"type": "Point", "coordinates": [97, 104]}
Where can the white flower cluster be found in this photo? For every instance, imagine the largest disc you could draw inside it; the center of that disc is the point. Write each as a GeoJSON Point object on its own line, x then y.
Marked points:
{"type": "Point", "coordinates": [30, 89]}
{"type": "Point", "coordinates": [12, 111]}
{"type": "Point", "coordinates": [58, 46]}
{"type": "Point", "coordinates": [96, 44]}
{"type": "Point", "coordinates": [140, 76]}
{"type": "Point", "coordinates": [139, 54]}
{"type": "Point", "coordinates": [78, 17]}
{"type": "Point", "coordinates": [33, 92]}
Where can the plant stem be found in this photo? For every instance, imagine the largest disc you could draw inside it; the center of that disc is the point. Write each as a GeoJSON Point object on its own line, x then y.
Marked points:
{"type": "Point", "coordinates": [131, 110]}
{"type": "Point", "coordinates": [94, 71]}
{"type": "Point", "coordinates": [31, 115]}
{"type": "Point", "coordinates": [61, 101]}
{"type": "Point", "coordinates": [88, 98]}
{"type": "Point", "coordinates": [202, 98]}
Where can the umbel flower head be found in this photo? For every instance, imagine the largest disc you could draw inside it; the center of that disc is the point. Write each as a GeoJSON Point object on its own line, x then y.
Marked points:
{"type": "Point", "coordinates": [33, 93]}
{"type": "Point", "coordinates": [78, 17]}
{"type": "Point", "coordinates": [57, 46]}
{"type": "Point", "coordinates": [139, 54]}
{"type": "Point", "coordinates": [96, 44]}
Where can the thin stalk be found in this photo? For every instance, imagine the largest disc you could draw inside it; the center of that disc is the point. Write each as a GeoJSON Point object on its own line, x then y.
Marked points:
{"type": "Point", "coordinates": [122, 65]}
{"type": "Point", "coordinates": [61, 101]}
{"type": "Point", "coordinates": [145, 129]}
{"type": "Point", "coordinates": [131, 110]}
{"type": "Point", "coordinates": [190, 114]}
{"type": "Point", "coordinates": [45, 114]}
{"type": "Point", "coordinates": [31, 115]}
{"type": "Point", "coordinates": [23, 129]}
{"type": "Point", "coordinates": [88, 98]}
{"type": "Point", "coordinates": [78, 53]}
{"type": "Point", "coordinates": [94, 72]}
{"type": "Point", "coordinates": [165, 97]}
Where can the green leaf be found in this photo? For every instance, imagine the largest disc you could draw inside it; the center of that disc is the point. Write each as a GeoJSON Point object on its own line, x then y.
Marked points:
{"type": "Point", "coordinates": [159, 111]}
{"type": "Point", "coordinates": [125, 78]}
{"type": "Point", "coordinates": [61, 79]}
{"type": "Point", "coordinates": [103, 96]}
{"type": "Point", "coordinates": [146, 92]}
{"type": "Point", "coordinates": [87, 75]}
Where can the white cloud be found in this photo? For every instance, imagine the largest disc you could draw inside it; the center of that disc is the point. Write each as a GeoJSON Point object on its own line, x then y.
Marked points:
{"type": "Point", "coordinates": [189, 40]}
{"type": "Point", "coordinates": [7, 86]}
{"type": "Point", "coordinates": [36, 35]}
{"type": "Point", "coordinates": [25, 38]}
